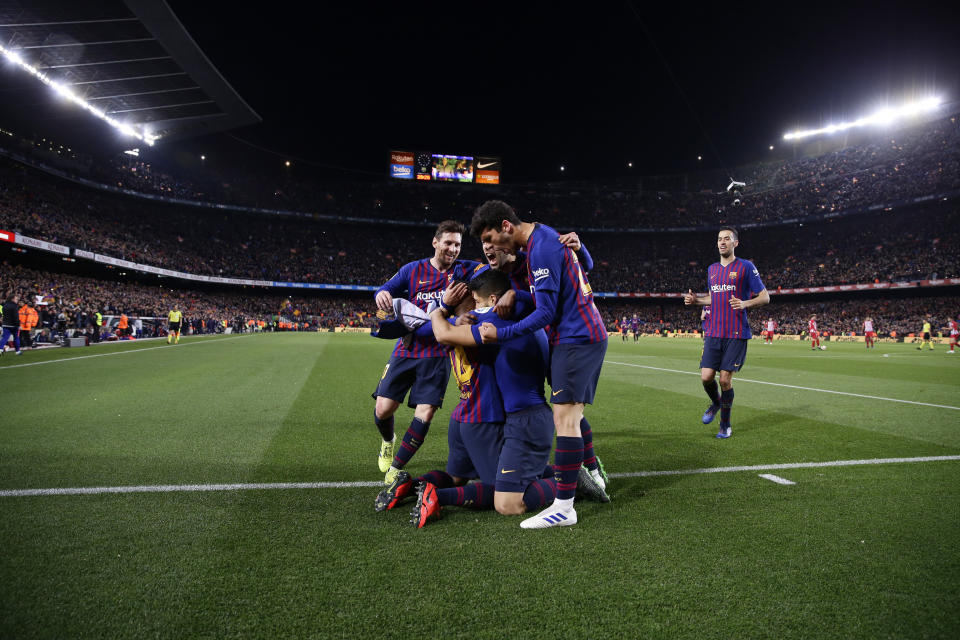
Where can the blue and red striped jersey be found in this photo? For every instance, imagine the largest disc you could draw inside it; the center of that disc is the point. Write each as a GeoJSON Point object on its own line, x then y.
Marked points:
{"type": "Point", "coordinates": [473, 370]}
{"type": "Point", "coordinates": [555, 273]}
{"type": "Point", "coordinates": [420, 282]}
{"type": "Point", "coordinates": [741, 279]}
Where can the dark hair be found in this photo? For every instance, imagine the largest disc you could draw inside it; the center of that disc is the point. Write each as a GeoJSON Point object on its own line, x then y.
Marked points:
{"type": "Point", "coordinates": [449, 226]}
{"type": "Point", "coordinates": [736, 234]}
{"type": "Point", "coordinates": [490, 282]}
{"type": "Point", "coordinates": [490, 215]}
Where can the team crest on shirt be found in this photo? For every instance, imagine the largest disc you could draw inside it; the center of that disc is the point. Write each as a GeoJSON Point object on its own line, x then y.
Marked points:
{"type": "Point", "coordinates": [733, 275]}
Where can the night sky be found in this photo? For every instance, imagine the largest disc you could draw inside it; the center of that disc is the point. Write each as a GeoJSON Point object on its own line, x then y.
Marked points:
{"type": "Point", "coordinates": [591, 86]}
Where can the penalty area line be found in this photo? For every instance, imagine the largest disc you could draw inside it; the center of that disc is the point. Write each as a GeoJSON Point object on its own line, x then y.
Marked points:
{"type": "Point", "coordinates": [172, 488]}
{"type": "Point", "coordinates": [793, 386]}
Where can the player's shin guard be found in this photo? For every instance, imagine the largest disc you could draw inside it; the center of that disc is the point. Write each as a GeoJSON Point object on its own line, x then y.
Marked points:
{"type": "Point", "coordinates": [540, 493]}
{"type": "Point", "coordinates": [589, 458]}
{"type": "Point", "coordinates": [567, 460]}
{"type": "Point", "coordinates": [713, 390]}
{"type": "Point", "coordinates": [475, 495]}
{"type": "Point", "coordinates": [726, 404]}
{"type": "Point", "coordinates": [440, 479]}
{"type": "Point", "coordinates": [412, 440]}
{"type": "Point", "coordinates": [384, 426]}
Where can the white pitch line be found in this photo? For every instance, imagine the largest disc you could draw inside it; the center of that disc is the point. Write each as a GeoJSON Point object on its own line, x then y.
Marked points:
{"type": "Point", "coordinates": [793, 386]}
{"type": "Point", "coordinates": [785, 465]}
{"type": "Point", "coordinates": [170, 488]}
{"type": "Point", "coordinates": [777, 479]}
{"type": "Point", "coordinates": [117, 353]}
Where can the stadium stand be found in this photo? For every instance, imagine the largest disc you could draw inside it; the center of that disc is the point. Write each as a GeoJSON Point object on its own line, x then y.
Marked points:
{"type": "Point", "coordinates": [810, 222]}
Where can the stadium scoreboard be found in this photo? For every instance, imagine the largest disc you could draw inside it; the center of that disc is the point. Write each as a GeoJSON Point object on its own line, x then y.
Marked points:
{"type": "Point", "coordinates": [440, 167]}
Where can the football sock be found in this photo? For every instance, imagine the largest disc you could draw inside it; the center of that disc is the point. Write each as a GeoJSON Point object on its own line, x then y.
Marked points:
{"type": "Point", "coordinates": [713, 391]}
{"type": "Point", "coordinates": [411, 442]}
{"type": "Point", "coordinates": [589, 459]}
{"type": "Point", "coordinates": [548, 472]}
{"type": "Point", "coordinates": [384, 426]}
{"type": "Point", "coordinates": [439, 479]}
{"type": "Point", "coordinates": [475, 495]}
{"type": "Point", "coordinates": [726, 402]}
{"type": "Point", "coordinates": [540, 493]}
{"type": "Point", "coordinates": [567, 460]}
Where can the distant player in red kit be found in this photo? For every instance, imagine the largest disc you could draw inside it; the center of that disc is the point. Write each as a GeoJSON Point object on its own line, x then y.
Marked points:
{"type": "Point", "coordinates": [954, 334]}
{"type": "Point", "coordinates": [768, 331]}
{"type": "Point", "coordinates": [814, 334]}
{"type": "Point", "coordinates": [868, 333]}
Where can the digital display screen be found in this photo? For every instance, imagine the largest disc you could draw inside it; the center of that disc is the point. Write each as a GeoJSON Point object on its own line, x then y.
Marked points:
{"type": "Point", "coordinates": [451, 168]}
{"type": "Point", "coordinates": [438, 167]}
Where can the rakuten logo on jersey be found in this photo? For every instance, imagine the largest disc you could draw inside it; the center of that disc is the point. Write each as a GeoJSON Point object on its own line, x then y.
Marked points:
{"type": "Point", "coordinates": [427, 296]}
{"type": "Point", "coordinates": [540, 274]}
{"type": "Point", "coordinates": [720, 288]}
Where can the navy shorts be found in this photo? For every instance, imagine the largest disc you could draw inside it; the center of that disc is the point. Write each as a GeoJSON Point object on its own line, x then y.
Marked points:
{"type": "Point", "coordinates": [527, 441]}
{"type": "Point", "coordinates": [474, 449]}
{"type": "Point", "coordinates": [575, 371]}
{"type": "Point", "coordinates": [723, 354]}
{"type": "Point", "coordinates": [425, 378]}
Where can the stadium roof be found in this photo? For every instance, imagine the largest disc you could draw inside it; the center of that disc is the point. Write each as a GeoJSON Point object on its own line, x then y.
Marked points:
{"type": "Point", "coordinates": [131, 59]}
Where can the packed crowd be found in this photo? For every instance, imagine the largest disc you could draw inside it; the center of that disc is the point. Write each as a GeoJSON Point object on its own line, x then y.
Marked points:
{"type": "Point", "coordinates": [74, 301]}
{"type": "Point", "coordinates": [911, 162]}
{"type": "Point", "coordinates": [835, 317]}
{"type": "Point", "coordinates": [918, 242]}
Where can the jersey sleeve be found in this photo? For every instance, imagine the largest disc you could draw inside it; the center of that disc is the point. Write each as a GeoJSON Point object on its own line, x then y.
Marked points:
{"type": "Point", "coordinates": [584, 257]}
{"type": "Point", "coordinates": [541, 317]}
{"type": "Point", "coordinates": [545, 264]}
{"type": "Point", "coordinates": [399, 282]}
{"type": "Point", "coordinates": [754, 283]}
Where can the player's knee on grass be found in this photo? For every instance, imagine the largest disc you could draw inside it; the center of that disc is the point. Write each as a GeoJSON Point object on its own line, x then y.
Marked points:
{"type": "Point", "coordinates": [385, 407]}
{"type": "Point", "coordinates": [509, 503]}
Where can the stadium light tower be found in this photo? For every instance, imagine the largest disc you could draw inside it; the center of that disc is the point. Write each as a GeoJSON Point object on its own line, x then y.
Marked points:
{"type": "Point", "coordinates": [65, 92]}
{"type": "Point", "coordinates": [883, 117]}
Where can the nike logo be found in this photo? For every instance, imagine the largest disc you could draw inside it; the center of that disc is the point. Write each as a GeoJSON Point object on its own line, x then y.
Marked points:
{"type": "Point", "coordinates": [424, 282]}
{"type": "Point", "coordinates": [736, 364]}
{"type": "Point", "coordinates": [556, 392]}
{"type": "Point", "coordinates": [505, 471]}
{"type": "Point", "coordinates": [484, 165]}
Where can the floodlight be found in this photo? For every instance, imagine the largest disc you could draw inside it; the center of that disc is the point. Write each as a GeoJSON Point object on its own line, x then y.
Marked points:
{"type": "Point", "coordinates": [883, 117]}
{"type": "Point", "coordinates": [65, 91]}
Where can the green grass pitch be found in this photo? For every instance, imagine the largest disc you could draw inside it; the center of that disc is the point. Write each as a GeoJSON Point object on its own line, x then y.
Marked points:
{"type": "Point", "coordinates": [867, 551]}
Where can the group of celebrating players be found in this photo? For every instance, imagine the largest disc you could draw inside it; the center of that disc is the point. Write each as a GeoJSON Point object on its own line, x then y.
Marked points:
{"type": "Point", "coordinates": [503, 328]}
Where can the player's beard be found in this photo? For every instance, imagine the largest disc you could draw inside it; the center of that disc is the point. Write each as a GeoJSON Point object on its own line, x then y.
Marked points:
{"type": "Point", "coordinates": [446, 260]}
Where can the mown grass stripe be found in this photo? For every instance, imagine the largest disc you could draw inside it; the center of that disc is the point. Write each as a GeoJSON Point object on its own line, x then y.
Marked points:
{"type": "Point", "coordinates": [118, 353]}
{"type": "Point", "coordinates": [793, 386]}
{"type": "Point", "coordinates": [785, 465]}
